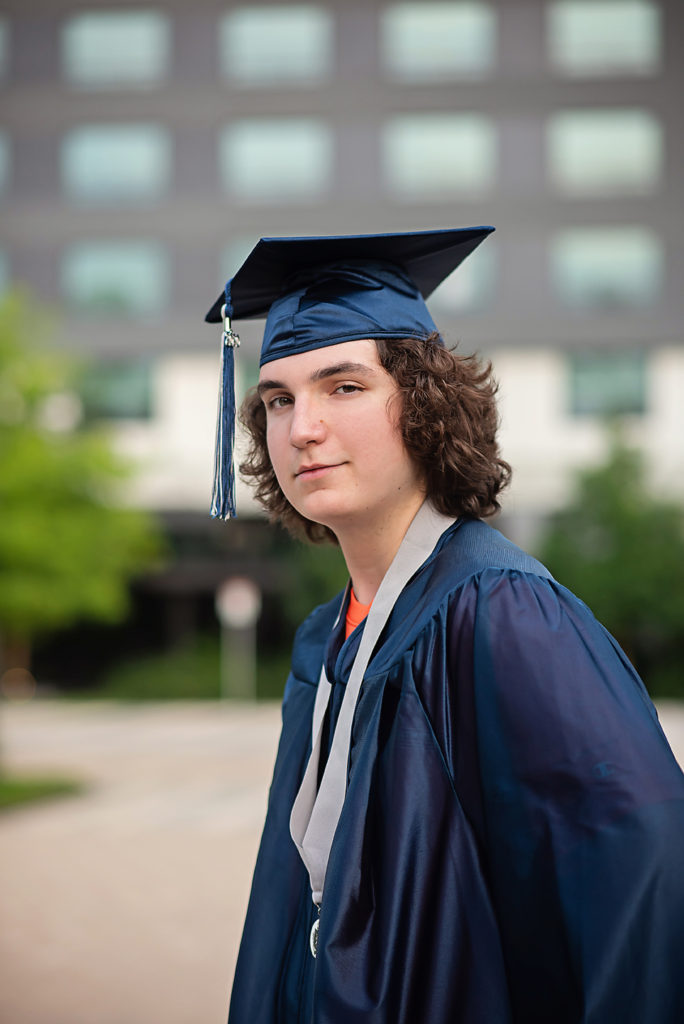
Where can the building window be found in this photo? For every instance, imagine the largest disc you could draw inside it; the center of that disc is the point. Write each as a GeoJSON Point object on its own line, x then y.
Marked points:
{"type": "Point", "coordinates": [607, 384]}
{"type": "Point", "coordinates": [272, 161]}
{"type": "Point", "coordinates": [116, 48]}
{"type": "Point", "coordinates": [607, 268]}
{"type": "Point", "coordinates": [471, 287]}
{"type": "Point", "coordinates": [4, 47]}
{"type": "Point", "coordinates": [603, 152]}
{"type": "Point", "coordinates": [272, 45]}
{"type": "Point", "coordinates": [117, 390]}
{"type": "Point", "coordinates": [427, 41]}
{"type": "Point", "coordinates": [116, 278]}
{"type": "Point", "coordinates": [116, 163]}
{"type": "Point", "coordinates": [4, 162]}
{"type": "Point", "coordinates": [604, 37]}
{"type": "Point", "coordinates": [444, 154]}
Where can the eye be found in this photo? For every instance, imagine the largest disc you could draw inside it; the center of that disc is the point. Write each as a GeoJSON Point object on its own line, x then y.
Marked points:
{"type": "Point", "coordinates": [347, 389]}
{"type": "Point", "coordinates": [278, 402]}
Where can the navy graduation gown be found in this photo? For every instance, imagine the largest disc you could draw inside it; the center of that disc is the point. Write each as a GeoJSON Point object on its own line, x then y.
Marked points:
{"type": "Point", "coordinates": [511, 846]}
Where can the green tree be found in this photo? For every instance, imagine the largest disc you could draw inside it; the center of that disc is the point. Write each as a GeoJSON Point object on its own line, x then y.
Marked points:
{"type": "Point", "coordinates": [621, 550]}
{"type": "Point", "coordinates": [67, 545]}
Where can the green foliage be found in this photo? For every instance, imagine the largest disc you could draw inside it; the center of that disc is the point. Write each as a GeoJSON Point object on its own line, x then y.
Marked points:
{"type": "Point", "coordinates": [191, 672]}
{"type": "Point", "coordinates": [317, 572]}
{"type": "Point", "coordinates": [272, 672]}
{"type": "Point", "coordinates": [16, 791]}
{"type": "Point", "coordinates": [622, 551]}
{"type": "Point", "coordinates": [67, 548]}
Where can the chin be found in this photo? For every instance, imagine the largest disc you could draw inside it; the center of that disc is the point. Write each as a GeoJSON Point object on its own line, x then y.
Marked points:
{"type": "Point", "coordinates": [327, 510]}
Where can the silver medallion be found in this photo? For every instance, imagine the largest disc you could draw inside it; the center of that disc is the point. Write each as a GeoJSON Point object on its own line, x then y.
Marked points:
{"type": "Point", "coordinates": [313, 938]}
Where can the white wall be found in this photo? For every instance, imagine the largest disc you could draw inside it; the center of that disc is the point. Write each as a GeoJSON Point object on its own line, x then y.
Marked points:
{"type": "Point", "coordinates": [539, 437]}
{"type": "Point", "coordinates": [175, 449]}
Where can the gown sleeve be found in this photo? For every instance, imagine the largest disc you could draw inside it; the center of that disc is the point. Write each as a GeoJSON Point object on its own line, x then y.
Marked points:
{"type": "Point", "coordinates": [582, 811]}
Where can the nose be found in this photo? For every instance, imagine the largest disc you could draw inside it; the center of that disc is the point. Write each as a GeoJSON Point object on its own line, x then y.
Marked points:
{"type": "Point", "coordinates": [307, 425]}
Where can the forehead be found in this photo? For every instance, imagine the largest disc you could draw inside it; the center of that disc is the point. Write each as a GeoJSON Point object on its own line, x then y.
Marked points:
{"type": "Point", "coordinates": [363, 352]}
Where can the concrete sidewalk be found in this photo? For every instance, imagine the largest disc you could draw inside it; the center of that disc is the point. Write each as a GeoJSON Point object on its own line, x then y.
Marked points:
{"type": "Point", "coordinates": [125, 906]}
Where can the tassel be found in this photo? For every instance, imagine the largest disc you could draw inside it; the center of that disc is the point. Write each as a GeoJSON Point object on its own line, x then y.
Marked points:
{"type": "Point", "coordinates": [223, 497]}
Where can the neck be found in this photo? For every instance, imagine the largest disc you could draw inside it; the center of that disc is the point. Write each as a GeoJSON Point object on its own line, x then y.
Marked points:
{"type": "Point", "coordinates": [369, 551]}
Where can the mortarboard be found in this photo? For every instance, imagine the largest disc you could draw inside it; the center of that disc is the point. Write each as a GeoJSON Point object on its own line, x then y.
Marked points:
{"type": "Point", "coordinates": [320, 291]}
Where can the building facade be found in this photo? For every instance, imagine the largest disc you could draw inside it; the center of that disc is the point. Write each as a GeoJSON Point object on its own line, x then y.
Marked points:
{"type": "Point", "coordinates": [144, 149]}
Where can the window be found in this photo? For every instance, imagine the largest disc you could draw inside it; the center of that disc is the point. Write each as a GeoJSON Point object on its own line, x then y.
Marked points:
{"type": "Point", "coordinates": [270, 45]}
{"type": "Point", "coordinates": [470, 287]}
{"type": "Point", "coordinates": [266, 161]}
{"type": "Point", "coordinates": [4, 47]}
{"type": "Point", "coordinates": [607, 383]}
{"type": "Point", "coordinates": [439, 153]}
{"type": "Point", "coordinates": [427, 41]}
{"type": "Point", "coordinates": [117, 390]}
{"type": "Point", "coordinates": [4, 162]}
{"type": "Point", "coordinates": [116, 48]}
{"type": "Point", "coordinates": [599, 152]}
{"type": "Point", "coordinates": [604, 37]}
{"type": "Point", "coordinates": [607, 268]}
{"type": "Point", "coordinates": [114, 163]}
{"type": "Point", "coordinates": [116, 278]}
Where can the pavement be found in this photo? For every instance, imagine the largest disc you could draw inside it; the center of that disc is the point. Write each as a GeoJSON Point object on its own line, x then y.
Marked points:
{"type": "Point", "coordinates": [125, 905]}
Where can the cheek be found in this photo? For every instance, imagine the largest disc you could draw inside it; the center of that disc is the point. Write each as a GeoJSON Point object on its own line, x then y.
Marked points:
{"type": "Point", "coordinates": [391, 455]}
{"type": "Point", "coordinates": [383, 448]}
{"type": "Point", "coordinates": [274, 446]}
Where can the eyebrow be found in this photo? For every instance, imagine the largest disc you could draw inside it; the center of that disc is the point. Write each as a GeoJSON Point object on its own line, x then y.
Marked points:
{"type": "Point", "coordinates": [338, 370]}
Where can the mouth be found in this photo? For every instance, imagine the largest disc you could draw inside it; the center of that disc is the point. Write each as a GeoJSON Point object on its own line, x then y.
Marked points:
{"type": "Point", "coordinates": [315, 470]}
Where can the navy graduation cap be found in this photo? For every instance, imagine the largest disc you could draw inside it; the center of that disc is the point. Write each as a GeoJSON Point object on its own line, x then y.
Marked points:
{"type": "Point", "coordinates": [320, 291]}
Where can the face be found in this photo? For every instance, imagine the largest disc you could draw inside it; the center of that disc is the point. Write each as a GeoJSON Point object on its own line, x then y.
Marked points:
{"type": "Point", "coordinates": [333, 437]}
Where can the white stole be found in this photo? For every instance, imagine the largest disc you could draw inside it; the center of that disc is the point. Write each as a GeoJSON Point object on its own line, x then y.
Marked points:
{"type": "Point", "coordinates": [316, 810]}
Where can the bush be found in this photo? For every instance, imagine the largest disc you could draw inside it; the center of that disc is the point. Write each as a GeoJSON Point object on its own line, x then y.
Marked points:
{"type": "Point", "coordinates": [621, 550]}
{"type": "Point", "coordinates": [192, 672]}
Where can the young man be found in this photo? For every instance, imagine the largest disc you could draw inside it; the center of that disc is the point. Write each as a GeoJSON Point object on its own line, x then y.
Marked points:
{"type": "Point", "coordinates": [475, 817]}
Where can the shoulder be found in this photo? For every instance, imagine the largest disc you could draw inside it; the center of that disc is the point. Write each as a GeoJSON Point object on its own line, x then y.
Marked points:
{"type": "Point", "coordinates": [468, 551]}
{"type": "Point", "coordinates": [537, 650]}
{"type": "Point", "coordinates": [503, 594]}
{"type": "Point", "coordinates": [515, 610]}
{"type": "Point", "coordinates": [449, 579]}
{"type": "Point", "coordinates": [482, 598]}
{"type": "Point", "coordinates": [471, 546]}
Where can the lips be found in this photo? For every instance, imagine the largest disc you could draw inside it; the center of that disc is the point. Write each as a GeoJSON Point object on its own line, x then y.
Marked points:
{"type": "Point", "coordinates": [315, 469]}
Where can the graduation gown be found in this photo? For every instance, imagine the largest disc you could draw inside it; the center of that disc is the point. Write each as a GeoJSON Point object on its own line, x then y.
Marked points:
{"type": "Point", "coordinates": [511, 845]}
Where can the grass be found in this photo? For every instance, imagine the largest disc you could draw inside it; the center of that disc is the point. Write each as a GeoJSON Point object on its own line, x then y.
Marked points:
{"type": "Point", "coordinates": [18, 790]}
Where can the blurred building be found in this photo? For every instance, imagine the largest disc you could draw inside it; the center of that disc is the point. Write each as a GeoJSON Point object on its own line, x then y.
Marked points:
{"type": "Point", "coordinates": [144, 149]}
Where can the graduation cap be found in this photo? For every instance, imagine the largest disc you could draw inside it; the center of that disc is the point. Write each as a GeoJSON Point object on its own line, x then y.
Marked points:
{"type": "Point", "coordinates": [320, 291]}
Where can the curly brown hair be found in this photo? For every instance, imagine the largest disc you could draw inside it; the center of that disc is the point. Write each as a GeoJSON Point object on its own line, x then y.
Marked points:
{"type": "Point", "coordinates": [448, 421]}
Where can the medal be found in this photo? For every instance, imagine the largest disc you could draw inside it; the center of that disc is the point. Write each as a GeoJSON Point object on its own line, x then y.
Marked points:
{"type": "Point", "coordinates": [313, 938]}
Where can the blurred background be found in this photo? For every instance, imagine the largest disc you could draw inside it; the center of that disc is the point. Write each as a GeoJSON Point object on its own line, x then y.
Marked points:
{"type": "Point", "coordinates": [143, 151]}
